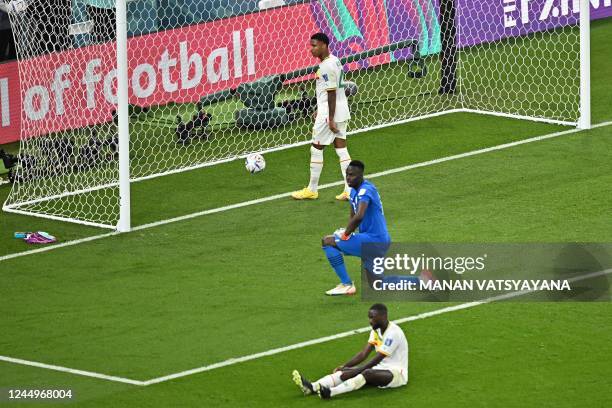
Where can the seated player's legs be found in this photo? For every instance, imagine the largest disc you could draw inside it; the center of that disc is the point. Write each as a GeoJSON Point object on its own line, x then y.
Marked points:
{"type": "Point", "coordinates": [352, 381]}
{"type": "Point", "coordinates": [378, 378]}
{"type": "Point", "coordinates": [386, 377]}
{"type": "Point", "coordinates": [328, 381]}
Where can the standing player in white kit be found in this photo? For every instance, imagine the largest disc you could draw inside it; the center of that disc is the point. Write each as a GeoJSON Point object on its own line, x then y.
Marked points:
{"type": "Point", "coordinates": [331, 118]}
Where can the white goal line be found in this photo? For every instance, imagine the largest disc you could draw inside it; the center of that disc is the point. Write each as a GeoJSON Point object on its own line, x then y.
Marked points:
{"type": "Point", "coordinates": [288, 194]}
{"type": "Point", "coordinates": [15, 207]}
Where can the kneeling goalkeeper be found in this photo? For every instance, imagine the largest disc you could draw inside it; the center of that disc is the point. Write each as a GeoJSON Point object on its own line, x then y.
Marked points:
{"type": "Point", "coordinates": [367, 214]}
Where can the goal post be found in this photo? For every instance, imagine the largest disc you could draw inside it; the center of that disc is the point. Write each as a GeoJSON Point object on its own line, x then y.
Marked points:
{"type": "Point", "coordinates": [584, 121]}
{"type": "Point", "coordinates": [448, 54]}
{"type": "Point", "coordinates": [124, 223]}
{"type": "Point", "coordinates": [530, 62]}
{"type": "Point", "coordinates": [116, 92]}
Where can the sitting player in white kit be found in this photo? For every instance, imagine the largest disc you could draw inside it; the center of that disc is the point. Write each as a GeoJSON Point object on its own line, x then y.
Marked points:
{"type": "Point", "coordinates": [387, 369]}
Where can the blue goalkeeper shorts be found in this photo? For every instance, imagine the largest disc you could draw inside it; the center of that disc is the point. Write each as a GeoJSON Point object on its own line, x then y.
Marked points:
{"type": "Point", "coordinates": [353, 246]}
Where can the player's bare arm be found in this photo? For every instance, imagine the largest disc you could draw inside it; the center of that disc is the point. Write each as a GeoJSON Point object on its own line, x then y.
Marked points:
{"type": "Point", "coordinates": [351, 214]}
{"type": "Point", "coordinates": [356, 218]}
{"type": "Point", "coordinates": [351, 372]}
{"type": "Point", "coordinates": [354, 221]}
{"type": "Point", "coordinates": [357, 358]}
{"type": "Point", "coordinates": [331, 104]}
{"type": "Point", "coordinates": [372, 363]}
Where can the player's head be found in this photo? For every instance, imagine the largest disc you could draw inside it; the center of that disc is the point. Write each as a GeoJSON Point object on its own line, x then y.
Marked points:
{"type": "Point", "coordinates": [378, 316]}
{"type": "Point", "coordinates": [354, 173]}
{"type": "Point", "coordinates": [319, 45]}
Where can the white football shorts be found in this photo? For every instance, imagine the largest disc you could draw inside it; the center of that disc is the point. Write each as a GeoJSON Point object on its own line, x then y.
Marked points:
{"type": "Point", "coordinates": [400, 377]}
{"type": "Point", "coordinates": [322, 135]}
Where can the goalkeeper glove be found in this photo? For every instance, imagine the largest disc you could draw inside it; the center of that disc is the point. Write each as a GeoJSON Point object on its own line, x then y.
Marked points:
{"type": "Point", "coordinates": [341, 234]}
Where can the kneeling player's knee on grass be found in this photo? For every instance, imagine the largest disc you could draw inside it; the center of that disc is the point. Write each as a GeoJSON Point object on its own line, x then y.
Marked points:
{"type": "Point", "coordinates": [328, 241]}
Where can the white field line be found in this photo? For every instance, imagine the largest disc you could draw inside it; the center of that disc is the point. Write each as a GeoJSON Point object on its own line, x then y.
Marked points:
{"type": "Point", "coordinates": [57, 246]}
{"type": "Point", "coordinates": [16, 210]}
{"type": "Point", "coordinates": [70, 370]}
{"type": "Point", "coordinates": [366, 329]}
{"type": "Point", "coordinates": [237, 360]}
{"type": "Point", "coordinates": [284, 195]}
{"type": "Point", "coordinates": [522, 117]}
{"type": "Point", "coordinates": [369, 176]}
{"type": "Point", "coordinates": [13, 207]}
{"type": "Point", "coordinates": [16, 206]}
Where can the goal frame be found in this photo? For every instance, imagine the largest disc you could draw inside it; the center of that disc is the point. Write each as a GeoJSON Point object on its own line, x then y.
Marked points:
{"type": "Point", "coordinates": [124, 182]}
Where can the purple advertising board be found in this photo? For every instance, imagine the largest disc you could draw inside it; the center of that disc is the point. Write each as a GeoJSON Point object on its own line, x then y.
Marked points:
{"type": "Point", "coordinates": [485, 21]}
{"type": "Point", "coordinates": [357, 25]}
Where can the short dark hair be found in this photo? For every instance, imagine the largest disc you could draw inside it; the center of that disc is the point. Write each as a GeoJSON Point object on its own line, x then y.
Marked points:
{"type": "Point", "coordinates": [358, 164]}
{"type": "Point", "coordinates": [321, 37]}
{"type": "Point", "coordinates": [379, 307]}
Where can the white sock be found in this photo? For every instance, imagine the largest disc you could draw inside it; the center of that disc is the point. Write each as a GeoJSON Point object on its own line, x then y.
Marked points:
{"type": "Point", "coordinates": [316, 166]}
{"type": "Point", "coordinates": [331, 380]}
{"type": "Point", "coordinates": [345, 159]}
{"type": "Point", "coordinates": [349, 385]}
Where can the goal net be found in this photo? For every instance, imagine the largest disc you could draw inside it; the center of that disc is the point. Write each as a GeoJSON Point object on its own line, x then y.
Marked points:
{"type": "Point", "coordinates": [211, 81]}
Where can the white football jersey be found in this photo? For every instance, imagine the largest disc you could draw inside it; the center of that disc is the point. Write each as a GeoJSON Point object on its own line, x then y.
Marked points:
{"type": "Point", "coordinates": [329, 76]}
{"type": "Point", "coordinates": [393, 344]}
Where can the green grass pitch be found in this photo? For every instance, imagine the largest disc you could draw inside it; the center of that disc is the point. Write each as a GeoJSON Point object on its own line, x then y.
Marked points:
{"type": "Point", "coordinates": [192, 293]}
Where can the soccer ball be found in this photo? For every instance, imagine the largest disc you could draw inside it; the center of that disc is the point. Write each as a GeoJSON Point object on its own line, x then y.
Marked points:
{"type": "Point", "coordinates": [255, 163]}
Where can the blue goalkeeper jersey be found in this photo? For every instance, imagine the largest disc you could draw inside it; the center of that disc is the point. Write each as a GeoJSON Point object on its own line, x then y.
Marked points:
{"type": "Point", "coordinates": [373, 222]}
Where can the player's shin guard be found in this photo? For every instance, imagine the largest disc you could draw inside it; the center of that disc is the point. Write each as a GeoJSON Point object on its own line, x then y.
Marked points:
{"type": "Point", "coordinates": [345, 159]}
{"type": "Point", "coordinates": [336, 260]}
{"type": "Point", "coordinates": [349, 385]}
{"type": "Point", "coordinates": [316, 166]}
{"type": "Point", "coordinates": [331, 380]}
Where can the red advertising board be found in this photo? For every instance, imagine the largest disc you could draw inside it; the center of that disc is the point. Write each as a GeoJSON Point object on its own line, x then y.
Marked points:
{"type": "Point", "coordinates": [77, 88]}
{"type": "Point", "coordinates": [10, 103]}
